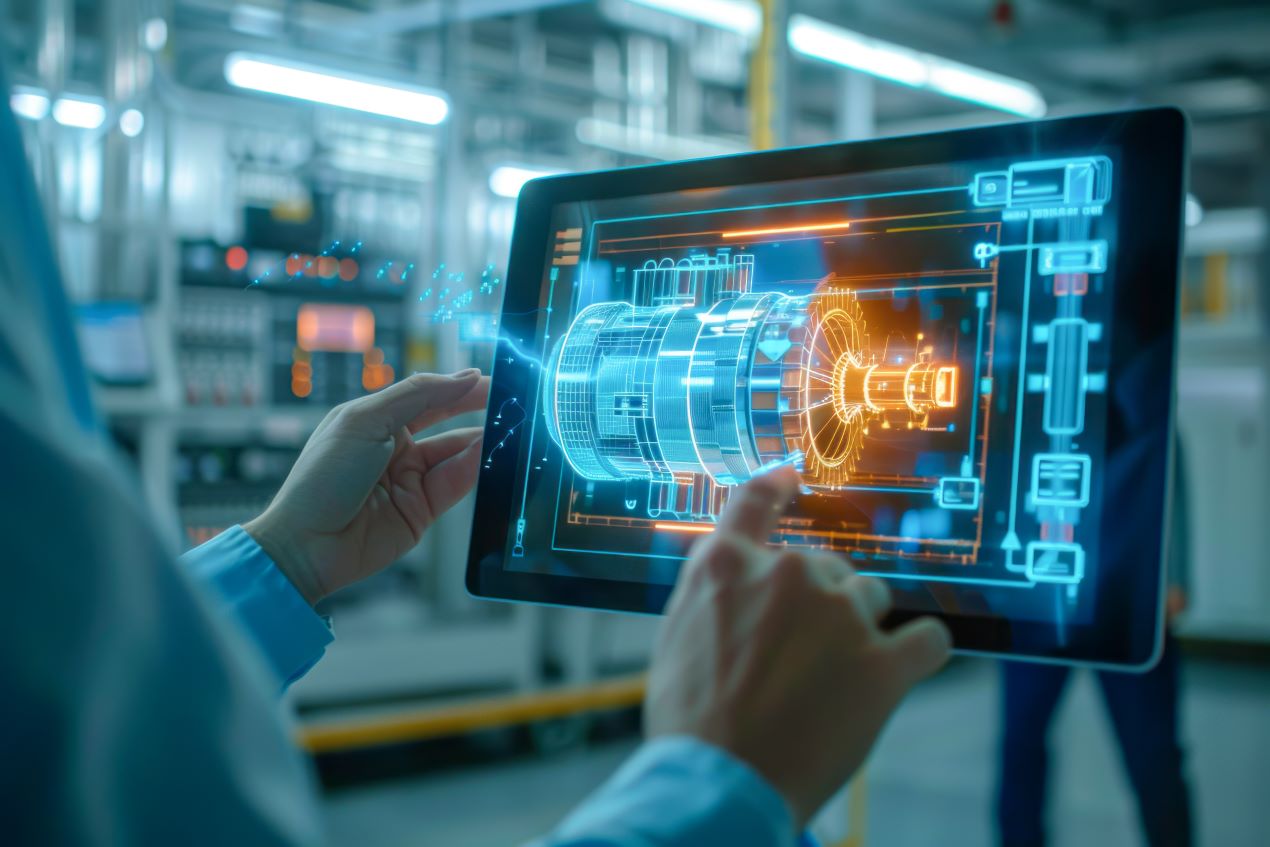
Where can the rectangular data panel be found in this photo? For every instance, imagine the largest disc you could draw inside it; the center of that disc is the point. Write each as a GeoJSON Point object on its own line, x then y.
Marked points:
{"type": "Point", "coordinates": [1066, 364]}
{"type": "Point", "coordinates": [1083, 257]}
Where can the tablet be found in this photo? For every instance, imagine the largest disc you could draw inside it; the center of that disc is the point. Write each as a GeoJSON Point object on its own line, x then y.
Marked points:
{"type": "Point", "coordinates": [963, 341]}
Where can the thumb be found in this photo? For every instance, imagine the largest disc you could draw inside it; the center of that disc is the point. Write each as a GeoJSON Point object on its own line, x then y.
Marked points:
{"type": "Point", "coordinates": [451, 479]}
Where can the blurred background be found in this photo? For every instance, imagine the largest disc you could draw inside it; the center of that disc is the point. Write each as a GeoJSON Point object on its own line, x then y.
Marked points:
{"type": "Point", "coordinates": [218, 206]}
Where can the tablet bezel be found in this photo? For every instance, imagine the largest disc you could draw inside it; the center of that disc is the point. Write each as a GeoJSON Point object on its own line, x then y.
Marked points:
{"type": "Point", "coordinates": [1152, 145]}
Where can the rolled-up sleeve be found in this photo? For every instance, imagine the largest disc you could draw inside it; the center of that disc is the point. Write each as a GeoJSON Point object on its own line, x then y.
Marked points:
{"type": "Point", "coordinates": [678, 790]}
{"type": "Point", "coordinates": [290, 635]}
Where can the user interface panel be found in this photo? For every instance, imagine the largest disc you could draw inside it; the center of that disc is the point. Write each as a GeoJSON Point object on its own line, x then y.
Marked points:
{"type": "Point", "coordinates": [927, 346]}
{"type": "Point", "coordinates": [967, 358]}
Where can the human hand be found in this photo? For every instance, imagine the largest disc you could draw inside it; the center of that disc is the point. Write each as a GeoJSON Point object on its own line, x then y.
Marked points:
{"type": "Point", "coordinates": [775, 655]}
{"type": "Point", "coordinates": [364, 491]}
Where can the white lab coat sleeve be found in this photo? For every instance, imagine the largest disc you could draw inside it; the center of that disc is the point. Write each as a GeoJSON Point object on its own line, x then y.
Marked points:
{"type": "Point", "coordinates": [131, 716]}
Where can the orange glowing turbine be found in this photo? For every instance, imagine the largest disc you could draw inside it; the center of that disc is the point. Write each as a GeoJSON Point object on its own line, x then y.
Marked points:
{"type": "Point", "coordinates": [846, 388]}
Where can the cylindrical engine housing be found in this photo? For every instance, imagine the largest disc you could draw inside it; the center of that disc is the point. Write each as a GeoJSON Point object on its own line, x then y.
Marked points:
{"type": "Point", "coordinates": [644, 392]}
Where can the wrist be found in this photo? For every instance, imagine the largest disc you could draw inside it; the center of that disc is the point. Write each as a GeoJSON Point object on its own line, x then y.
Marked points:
{"type": "Point", "coordinates": [287, 556]}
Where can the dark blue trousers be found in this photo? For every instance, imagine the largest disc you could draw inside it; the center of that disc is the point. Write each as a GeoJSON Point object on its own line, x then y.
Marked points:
{"type": "Point", "coordinates": [1143, 711]}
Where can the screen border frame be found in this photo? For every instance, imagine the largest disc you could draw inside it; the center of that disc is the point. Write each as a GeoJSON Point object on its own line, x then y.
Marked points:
{"type": "Point", "coordinates": [1152, 142]}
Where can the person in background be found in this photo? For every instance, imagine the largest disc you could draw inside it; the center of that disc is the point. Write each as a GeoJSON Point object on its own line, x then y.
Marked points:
{"type": "Point", "coordinates": [1143, 707]}
{"type": "Point", "coordinates": [141, 693]}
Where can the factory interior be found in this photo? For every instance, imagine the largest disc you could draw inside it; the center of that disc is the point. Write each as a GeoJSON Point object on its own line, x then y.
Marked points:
{"type": "Point", "coordinates": [206, 221]}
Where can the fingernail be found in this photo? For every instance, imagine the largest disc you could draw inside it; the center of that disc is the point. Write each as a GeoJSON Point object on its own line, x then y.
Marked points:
{"type": "Point", "coordinates": [465, 373]}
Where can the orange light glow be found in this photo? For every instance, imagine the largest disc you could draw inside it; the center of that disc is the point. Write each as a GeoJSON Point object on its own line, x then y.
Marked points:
{"type": "Point", "coordinates": [328, 266]}
{"type": "Point", "coordinates": [375, 377]}
{"type": "Point", "coordinates": [348, 269]}
{"type": "Point", "coordinates": [301, 387]}
{"type": "Point", "coordinates": [341, 329]}
{"type": "Point", "coordinates": [235, 258]}
{"type": "Point", "coordinates": [373, 356]}
{"type": "Point", "coordinates": [295, 265]}
{"type": "Point", "coordinates": [946, 387]}
{"type": "Point", "coordinates": [685, 527]}
{"type": "Point", "coordinates": [780, 230]}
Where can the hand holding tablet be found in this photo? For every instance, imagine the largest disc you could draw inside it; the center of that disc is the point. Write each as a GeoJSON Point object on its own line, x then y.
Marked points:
{"type": "Point", "coordinates": [962, 342]}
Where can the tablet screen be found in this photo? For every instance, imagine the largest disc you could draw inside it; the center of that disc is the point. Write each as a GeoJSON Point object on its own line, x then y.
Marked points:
{"type": "Point", "coordinates": [929, 346]}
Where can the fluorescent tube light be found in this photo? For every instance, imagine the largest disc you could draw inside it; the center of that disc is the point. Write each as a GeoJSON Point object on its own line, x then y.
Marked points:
{"type": "Point", "coordinates": [79, 113]}
{"type": "Point", "coordinates": [744, 17]}
{"type": "Point", "coordinates": [985, 88]}
{"type": "Point", "coordinates": [28, 103]}
{"type": "Point", "coordinates": [507, 180]}
{"type": "Point", "coordinates": [650, 144]}
{"type": "Point", "coordinates": [819, 40]}
{"type": "Point", "coordinates": [348, 91]}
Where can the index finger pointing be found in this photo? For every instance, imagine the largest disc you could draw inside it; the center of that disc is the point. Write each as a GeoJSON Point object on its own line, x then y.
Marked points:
{"type": "Point", "coordinates": [754, 508]}
{"type": "Point", "coordinates": [473, 401]}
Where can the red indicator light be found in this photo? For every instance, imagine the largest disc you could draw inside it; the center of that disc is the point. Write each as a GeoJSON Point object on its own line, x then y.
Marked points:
{"type": "Point", "coordinates": [236, 258]}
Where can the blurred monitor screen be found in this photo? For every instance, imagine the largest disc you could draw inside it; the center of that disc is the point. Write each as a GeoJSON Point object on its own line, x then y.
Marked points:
{"type": "Point", "coordinates": [113, 341]}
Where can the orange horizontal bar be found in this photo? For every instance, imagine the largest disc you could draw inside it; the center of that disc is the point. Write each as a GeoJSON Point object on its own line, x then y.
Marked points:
{"type": "Point", "coordinates": [685, 527]}
{"type": "Point", "coordinates": [565, 260]}
{"type": "Point", "coordinates": [777, 230]}
{"type": "Point", "coordinates": [472, 716]}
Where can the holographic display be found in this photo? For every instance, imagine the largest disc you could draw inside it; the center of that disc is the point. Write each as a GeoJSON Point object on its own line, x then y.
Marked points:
{"type": "Point", "coordinates": [928, 346]}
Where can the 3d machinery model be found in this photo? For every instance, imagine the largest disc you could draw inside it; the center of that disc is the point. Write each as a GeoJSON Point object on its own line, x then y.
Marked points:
{"type": "Point", "coordinates": [702, 375]}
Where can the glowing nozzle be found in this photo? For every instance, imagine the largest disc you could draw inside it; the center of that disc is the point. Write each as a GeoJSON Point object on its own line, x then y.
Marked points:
{"type": "Point", "coordinates": [916, 388]}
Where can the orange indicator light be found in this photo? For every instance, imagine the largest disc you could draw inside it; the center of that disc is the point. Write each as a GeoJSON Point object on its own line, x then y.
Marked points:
{"type": "Point", "coordinates": [685, 527]}
{"type": "Point", "coordinates": [779, 230]}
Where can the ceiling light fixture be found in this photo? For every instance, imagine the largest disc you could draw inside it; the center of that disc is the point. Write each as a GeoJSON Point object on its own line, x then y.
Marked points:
{"type": "Point", "coordinates": [28, 103]}
{"type": "Point", "coordinates": [508, 180]}
{"type": "Point", "coordinates": [348, 91]}
{"type": "Point", "coordinates": [744, 17]}
{"type": "Point", "coordinates": [79, 113]}
{"type": "Point", "coordinates": [131, 122]}
{"type": "Point", "coordinates": [819, 40]}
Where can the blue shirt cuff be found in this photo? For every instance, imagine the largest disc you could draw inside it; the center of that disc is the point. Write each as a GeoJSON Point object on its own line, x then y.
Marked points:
{"type": "Point", "coordinates": [679, 790]}
{"type": "Point", "coordinates": [290, 635]}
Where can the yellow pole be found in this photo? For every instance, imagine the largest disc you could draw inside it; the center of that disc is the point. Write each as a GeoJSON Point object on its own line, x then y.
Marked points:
{"type": "Point", "coordinates": [763, 80]}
